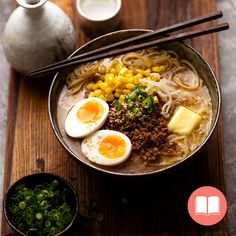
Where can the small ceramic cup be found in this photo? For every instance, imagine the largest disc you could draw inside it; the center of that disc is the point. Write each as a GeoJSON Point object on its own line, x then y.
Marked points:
{"type": "Point", "coordinates": [98, 17]}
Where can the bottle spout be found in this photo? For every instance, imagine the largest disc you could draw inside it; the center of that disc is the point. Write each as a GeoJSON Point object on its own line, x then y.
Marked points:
{"type": "Point", "coordinates": [31, 4]}
{"type": "Point", "coordinates": [32, 1]}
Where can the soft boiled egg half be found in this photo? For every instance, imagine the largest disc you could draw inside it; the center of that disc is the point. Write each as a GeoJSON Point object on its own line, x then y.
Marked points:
{"type": "Point", "coordinates": [87, 116]}
{"type": "Point", "coordinates": [107, 147]}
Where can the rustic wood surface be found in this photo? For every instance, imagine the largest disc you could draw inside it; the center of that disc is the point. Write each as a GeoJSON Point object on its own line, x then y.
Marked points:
{"type": "Point", "coordinates": [156, 205]}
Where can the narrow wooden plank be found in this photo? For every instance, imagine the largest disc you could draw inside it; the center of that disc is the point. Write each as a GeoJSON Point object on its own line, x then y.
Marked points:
{"type": "Point", "coordinates": [133, 14]}
{"type": "Point", "coordinates": [11, 114]}
{"type": "Point", "coordinates": [143, 206]}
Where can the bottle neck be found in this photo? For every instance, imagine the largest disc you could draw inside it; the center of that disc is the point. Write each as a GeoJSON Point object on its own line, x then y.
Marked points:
{"type": "Point", "coordinates": [31, 4]}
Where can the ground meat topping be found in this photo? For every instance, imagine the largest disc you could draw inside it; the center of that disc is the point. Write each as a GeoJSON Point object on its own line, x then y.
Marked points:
{"type": "Point", "coordinates": [148, 136]}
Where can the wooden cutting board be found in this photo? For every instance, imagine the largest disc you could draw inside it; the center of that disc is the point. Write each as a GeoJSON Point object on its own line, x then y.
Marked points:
{"type": "Point", "coordinates": [131, 206]}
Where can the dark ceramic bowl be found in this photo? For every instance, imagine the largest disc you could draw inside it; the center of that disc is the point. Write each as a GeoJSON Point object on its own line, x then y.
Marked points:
{"type": "Point", "coordinates": [31, 181]}
{"type": "Point", "coordinates": [184, 51]}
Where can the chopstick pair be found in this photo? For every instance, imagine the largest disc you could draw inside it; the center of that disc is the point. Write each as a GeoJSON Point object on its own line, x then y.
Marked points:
{"type": "Point", "coordinates": [141, 42]}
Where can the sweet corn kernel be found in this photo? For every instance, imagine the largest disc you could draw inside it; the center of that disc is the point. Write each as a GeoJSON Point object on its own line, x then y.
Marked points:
{"type": "Point", "coordinates": [130, 72]}
{"type": "Point", "coordinates": [117, 83]}
{"type": "Point", "coordinates": [155, 69]}
{"type": "Point", "coordinates": [147, 72]}
{"type": "Point", "coordinates": [149, 63]}
{"type": "Point", "coordinates": [155, 78]}
{"type": "Point", "coordinates": [118, 90]}
{"type": "Point", "coordinates": [114, 63]}
{"type": "Point", "coordinates": [89, 86]}
{"type": "Point", "coordinates": [122, 97]}
{"type": "Point", "coordinates": [139, 76]}
{"type": "Point", "coordinates": [123, 71]}
{"type": "Point", "coordinates": [99, 82]}
{"type": "Point", "coordinates": [108, 90]}
{"type": "Point", "coordinates": [138, 71]}
{"type": "Point", "coordinates": [130, 80]}
{"type": "Point", "coordinates": [155, 99]}
{"type": "Point", "coordinates": [122, 86]}
{"type": "Point", "coordinates": [95, 86]}
{"type": "Point", "coordinates": [122, 79]}
{"type": "Point", "coordinates": [117, 95]}
{"type": "Point", "coordinates": [97, 92]}
{"type": "Point", "coordinates": [91, 95]}
{"type": "Point", "coordinates": [130, 86]}
{"type": "Point", "coordinates": [162, 68]}
{"type": "Point", "coordinates": [126, 91]}
{"type": "Point", "coordinates": [112, 71]}
{"type": "Point", "coordinates": [103, 98]}
{"type": "Point", "coordinates": [102, 69]}
{"type": "Point", "coordinates": [109, 78]}
{"type": "Point", "coordinates": [109, 97]}
{"type": "Point", "coordinates": [151, 91]}
{"type": "Point", "coordinates": [119, 67]}
{"type": "Point", "coordinates": [103, 85]}
{"type": "Point", "coordinates": [158, 69]}
{"type": "Point", "coordinates": [127, 78]}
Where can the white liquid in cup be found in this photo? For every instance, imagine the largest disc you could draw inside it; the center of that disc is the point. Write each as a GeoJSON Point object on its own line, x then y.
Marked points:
{"type": "Point", "coordinates": [98, 9]}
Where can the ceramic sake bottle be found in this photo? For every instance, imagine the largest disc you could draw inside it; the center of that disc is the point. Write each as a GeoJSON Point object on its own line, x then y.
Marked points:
{"type": "Point", "coordinates": [38, 33]}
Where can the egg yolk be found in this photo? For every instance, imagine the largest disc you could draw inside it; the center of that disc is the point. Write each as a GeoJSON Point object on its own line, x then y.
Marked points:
{"type": "Point", "coordinates": [112, 146]}
{"type": "Point", "coordinates": [90, 112]}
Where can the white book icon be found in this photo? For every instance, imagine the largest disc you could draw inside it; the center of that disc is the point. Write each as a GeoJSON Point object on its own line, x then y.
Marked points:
{"type": "Point", "coordinates": [207, 205]}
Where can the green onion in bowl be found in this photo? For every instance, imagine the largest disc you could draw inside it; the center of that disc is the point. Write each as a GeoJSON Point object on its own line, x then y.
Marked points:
{"type": "Point", "coordinates": [41, 204]}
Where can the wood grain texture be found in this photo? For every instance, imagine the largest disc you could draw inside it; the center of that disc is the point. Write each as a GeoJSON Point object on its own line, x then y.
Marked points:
{"type": "Point", "coordinates": [154, 205]}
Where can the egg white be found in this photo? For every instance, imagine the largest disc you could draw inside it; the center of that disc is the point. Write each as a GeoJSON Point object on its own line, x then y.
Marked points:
{"type": "Point", "coordinates": [90, 148]}
{"type": "Point", "coordinates": [77, 129]}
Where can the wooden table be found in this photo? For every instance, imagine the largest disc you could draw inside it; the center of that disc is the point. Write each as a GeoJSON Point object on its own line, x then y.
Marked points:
{"type": "Point", "coordinates": [156, 205]}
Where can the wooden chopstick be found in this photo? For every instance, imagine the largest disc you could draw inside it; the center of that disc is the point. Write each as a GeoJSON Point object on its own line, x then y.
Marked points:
{"type": "Point", "coordinates": [162, 31]}
{"type": "Point", "coordinates": [145, 36]}
{"type": "Point", "coordinates": [151, 43]}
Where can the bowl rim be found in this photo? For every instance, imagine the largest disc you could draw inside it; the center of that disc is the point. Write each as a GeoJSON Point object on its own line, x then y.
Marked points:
{"type": "Point", "coordinates": [158, 171]}
{"type": "Point", "coordinates": [12, 186]}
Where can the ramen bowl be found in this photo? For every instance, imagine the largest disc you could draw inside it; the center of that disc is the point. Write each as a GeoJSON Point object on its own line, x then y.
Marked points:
{"type": "Point", "coordinates": [73, 146]}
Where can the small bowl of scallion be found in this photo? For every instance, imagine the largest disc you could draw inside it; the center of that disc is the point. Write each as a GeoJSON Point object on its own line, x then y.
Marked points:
{"type": "Point", "coordinates": [41, 204]}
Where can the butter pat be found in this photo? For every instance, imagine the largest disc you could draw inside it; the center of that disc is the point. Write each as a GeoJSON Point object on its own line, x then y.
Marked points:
{"type": "Point", "coordinates": [184, 121]}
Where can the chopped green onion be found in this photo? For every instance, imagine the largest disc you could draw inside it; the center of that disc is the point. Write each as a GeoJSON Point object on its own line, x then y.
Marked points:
{"type": "Point", "coordinates": [48, 223]}
{"type": "Point", "coordinates": [22, 205]}
{"type": "Point", "coordinates": [44, 203]}
{"type": "Point", "coordinates": [118, 105]}
{"type": "Point", "coordinates": [40, 211]}
{"type": "Point", "coordinates": [54, 183]}
{"type": "Point", "coordinates": [39, 196]}
{"type": "Point", "coordinates": [39, 216]}
{"type": "Point", "coordinates": [51, 194]}
{"type": "Point", "coordinates": [138, 102]}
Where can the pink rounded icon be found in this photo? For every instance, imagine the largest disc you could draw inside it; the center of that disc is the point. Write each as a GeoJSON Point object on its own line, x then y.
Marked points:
{"type": "Point", "coordinates": [207, 205]}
